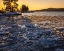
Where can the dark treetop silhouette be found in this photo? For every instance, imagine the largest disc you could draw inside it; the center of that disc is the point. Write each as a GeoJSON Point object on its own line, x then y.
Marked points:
{"type": "Point", "coordinates": [11, 5]}
{"type": "Point", "coordinates": [24, 8]}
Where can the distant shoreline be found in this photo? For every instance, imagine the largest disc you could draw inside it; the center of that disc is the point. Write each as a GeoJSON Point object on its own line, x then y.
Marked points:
{"type": "Point", "coordinates": [48, 9]}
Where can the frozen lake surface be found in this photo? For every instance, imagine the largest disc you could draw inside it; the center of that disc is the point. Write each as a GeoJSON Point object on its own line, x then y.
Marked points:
{"type": "Point", "coordinates": [32, 33]}
{"type": "Point", "coordinates": [45, 14]}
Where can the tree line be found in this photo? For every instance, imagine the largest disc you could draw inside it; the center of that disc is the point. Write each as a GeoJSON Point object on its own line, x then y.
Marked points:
{"type": "Point", "coordinates": [12, 6]}
{"type": "Point", "coordinates": [51, 9]}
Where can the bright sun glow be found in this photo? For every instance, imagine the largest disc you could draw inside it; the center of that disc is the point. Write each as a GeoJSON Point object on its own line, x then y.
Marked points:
{"type": "Point", "coordinates": [12, 4]}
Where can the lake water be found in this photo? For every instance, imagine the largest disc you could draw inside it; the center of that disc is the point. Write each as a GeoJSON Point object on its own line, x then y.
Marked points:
{"type": "Point", "coordinates": [45, 14]}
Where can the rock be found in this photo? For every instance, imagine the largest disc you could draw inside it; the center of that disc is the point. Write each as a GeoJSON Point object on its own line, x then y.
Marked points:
{"type": "Point", "coordinates": [21, 39]}
{"type": "Point", "coordinates": [29, 25]}
{"type": "Point", "coordinates": [11, 30]}
{"type": "Point", "coordinates": [48, 42]}
{"type": "Point", "coordinates": [3, 34]}
{"type": "Point", "coordinates": [14, 25]}
{"type": "Point", "coordinates": [58, 49]}
{"type": "Point", "coordinates": [31, 36]}
{"type": "Point", "coordinates": [28, 43]}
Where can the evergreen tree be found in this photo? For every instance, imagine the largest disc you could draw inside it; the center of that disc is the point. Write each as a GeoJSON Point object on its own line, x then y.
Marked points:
{"type": "Point", "coordinates": [11, 5]}
{"type": "Point", "coordinates": [24, 8]}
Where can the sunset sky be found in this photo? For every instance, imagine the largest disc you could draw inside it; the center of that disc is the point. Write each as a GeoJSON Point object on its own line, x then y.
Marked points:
{"type": "Point", "coordinates": [39, 4]}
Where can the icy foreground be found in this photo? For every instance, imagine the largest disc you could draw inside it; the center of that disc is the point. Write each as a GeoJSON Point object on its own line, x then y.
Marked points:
{"type": "Point", "coordinates": [31, 33]}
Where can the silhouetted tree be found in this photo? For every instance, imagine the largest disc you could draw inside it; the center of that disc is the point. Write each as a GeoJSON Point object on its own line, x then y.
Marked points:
{"type": "Point", "coordinates": [27, 8]}
{"type": "Point", "coordinates": [11, 5]}
{"type": "Point", "coordinates": [24, 8]}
